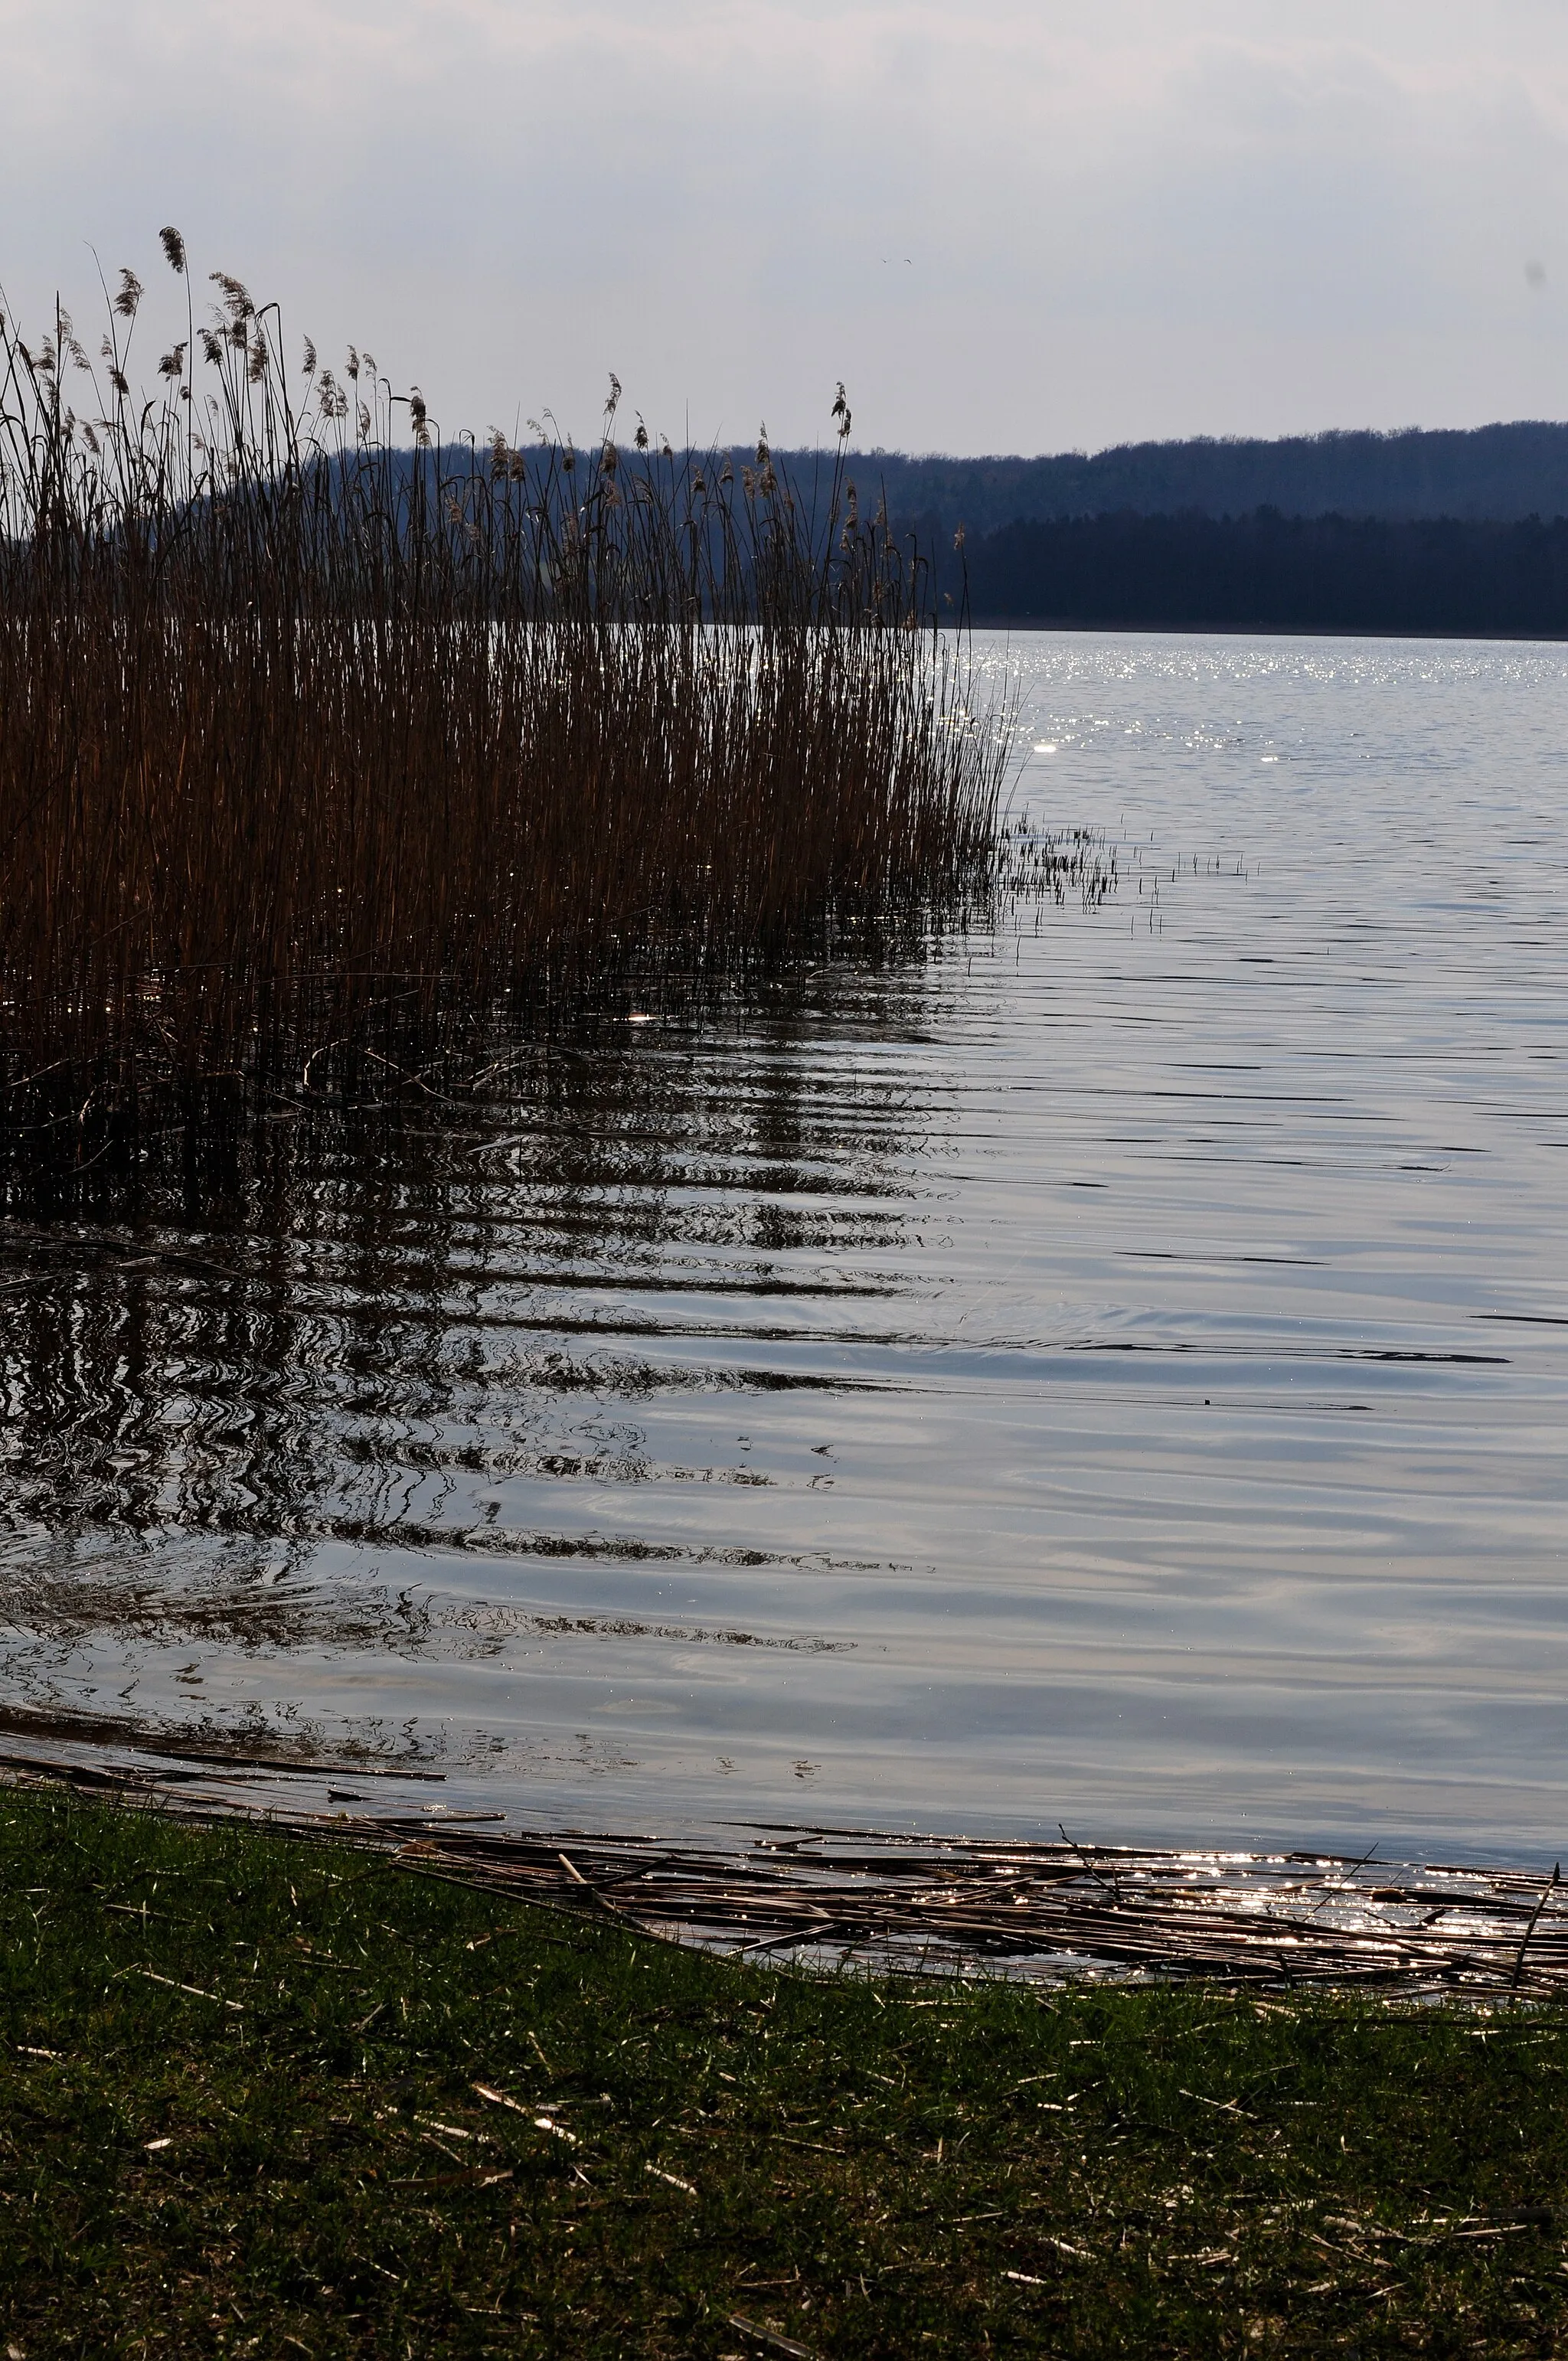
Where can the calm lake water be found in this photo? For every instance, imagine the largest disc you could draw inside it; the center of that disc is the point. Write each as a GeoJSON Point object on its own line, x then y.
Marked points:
{"type": "Point", "coordinates": [1113, 1372]}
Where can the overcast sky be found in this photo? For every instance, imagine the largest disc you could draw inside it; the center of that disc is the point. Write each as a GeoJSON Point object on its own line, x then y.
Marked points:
{"type": "Point", "coordinates": [1009, 227]}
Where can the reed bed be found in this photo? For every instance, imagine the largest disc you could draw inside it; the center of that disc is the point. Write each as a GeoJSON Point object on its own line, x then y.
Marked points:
{"type": "Point", "coordinates": [317, 727]}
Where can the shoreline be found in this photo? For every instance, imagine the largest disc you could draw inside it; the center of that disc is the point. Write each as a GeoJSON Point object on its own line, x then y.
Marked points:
{"type": "Point", "coordinates": [830, 1898]}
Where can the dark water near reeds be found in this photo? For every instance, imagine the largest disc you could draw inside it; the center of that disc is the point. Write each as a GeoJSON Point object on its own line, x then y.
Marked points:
{"type": "Point", "coordinates": [1114, 1372]}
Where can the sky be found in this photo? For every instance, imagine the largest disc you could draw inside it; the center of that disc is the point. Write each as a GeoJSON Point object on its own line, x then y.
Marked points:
{"type": "Point", "coordinates": [1007, 227]}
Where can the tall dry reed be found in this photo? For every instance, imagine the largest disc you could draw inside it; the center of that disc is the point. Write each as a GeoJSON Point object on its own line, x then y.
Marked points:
{"type": "Point", "coordinates": [309, 721]}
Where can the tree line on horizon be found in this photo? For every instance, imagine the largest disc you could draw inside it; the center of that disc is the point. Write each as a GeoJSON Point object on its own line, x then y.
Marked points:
{"type": "Point", "coordinates": [1450, 531]}
{"type": "Point", "coordinates": [1182, 567]}
{"type": "Point", "coordinates": [1474, 578]}
{"type": "Point", "coordinates": [990, 549]}
{"type": "Point", "coordinates": [1501, 473]}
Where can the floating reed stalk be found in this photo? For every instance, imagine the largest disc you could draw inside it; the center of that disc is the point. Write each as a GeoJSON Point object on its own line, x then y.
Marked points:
{"type": "Point", "coordinates": [305, 732]}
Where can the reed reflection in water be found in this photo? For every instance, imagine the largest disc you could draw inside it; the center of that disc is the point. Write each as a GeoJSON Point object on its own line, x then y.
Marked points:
{"type": "Point", "coordinates": [436, 1415]}
{"type": "Point", "coordinates": [1113, 1370]}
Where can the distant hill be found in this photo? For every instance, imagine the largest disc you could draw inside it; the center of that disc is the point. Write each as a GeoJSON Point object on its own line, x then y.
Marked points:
{"type": "Point", "coordinates": [1445, 533]}
{"type": "Point", "coordinates": [1450, 533]}
{"type": "Point", "coordinates": [1501, 473]}
{"type": "Point", "coordinates": [1420, 576]}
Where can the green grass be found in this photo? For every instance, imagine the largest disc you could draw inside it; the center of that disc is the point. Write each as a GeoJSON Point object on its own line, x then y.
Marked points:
{"type": "Point", "coordinates": [294, 2158]}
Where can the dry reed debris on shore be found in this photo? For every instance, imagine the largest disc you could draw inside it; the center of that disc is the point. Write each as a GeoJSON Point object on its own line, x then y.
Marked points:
{"type": "Point", "coordinates": [833, 1897]}
{"type": "Point", "coordinates": [1290, 1921]}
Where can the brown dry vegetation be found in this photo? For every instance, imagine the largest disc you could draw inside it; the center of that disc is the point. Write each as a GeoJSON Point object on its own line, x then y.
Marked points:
{"type": "Point", "coordinates": [303, 732]}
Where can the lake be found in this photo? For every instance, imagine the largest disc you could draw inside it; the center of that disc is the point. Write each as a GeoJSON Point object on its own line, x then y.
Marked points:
{"type": "Point", "coordinates": [1110, 1372]}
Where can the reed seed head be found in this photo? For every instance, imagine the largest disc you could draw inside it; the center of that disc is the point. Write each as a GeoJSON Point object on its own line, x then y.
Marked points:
{"type": "Point", "coordinates": [236, 299]}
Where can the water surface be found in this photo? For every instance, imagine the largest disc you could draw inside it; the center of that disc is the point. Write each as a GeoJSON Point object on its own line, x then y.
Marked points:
{"type": "Point", "coordinates": [1113, 1371]}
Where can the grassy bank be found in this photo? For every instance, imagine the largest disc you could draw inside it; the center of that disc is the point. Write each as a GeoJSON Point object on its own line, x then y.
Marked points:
{"type": "Point", "coordinates": [261, 2097]}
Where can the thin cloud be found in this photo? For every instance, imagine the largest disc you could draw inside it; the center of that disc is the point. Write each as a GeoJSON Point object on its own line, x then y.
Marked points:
{"type": "Point", "coordinates": [1236, 215]}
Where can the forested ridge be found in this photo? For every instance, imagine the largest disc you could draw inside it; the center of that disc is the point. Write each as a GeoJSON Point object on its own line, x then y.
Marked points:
{"type": "Point", "coordinates": [1446, 576]}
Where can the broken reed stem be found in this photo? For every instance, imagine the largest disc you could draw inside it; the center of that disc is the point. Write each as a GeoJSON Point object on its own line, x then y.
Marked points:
{"type": "Point", "coordinates": [951, 1905]}
{"type": "Point", "coordinates": [309, 740]}
{"type": "Point", "coordinates": [1534, 1921]}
